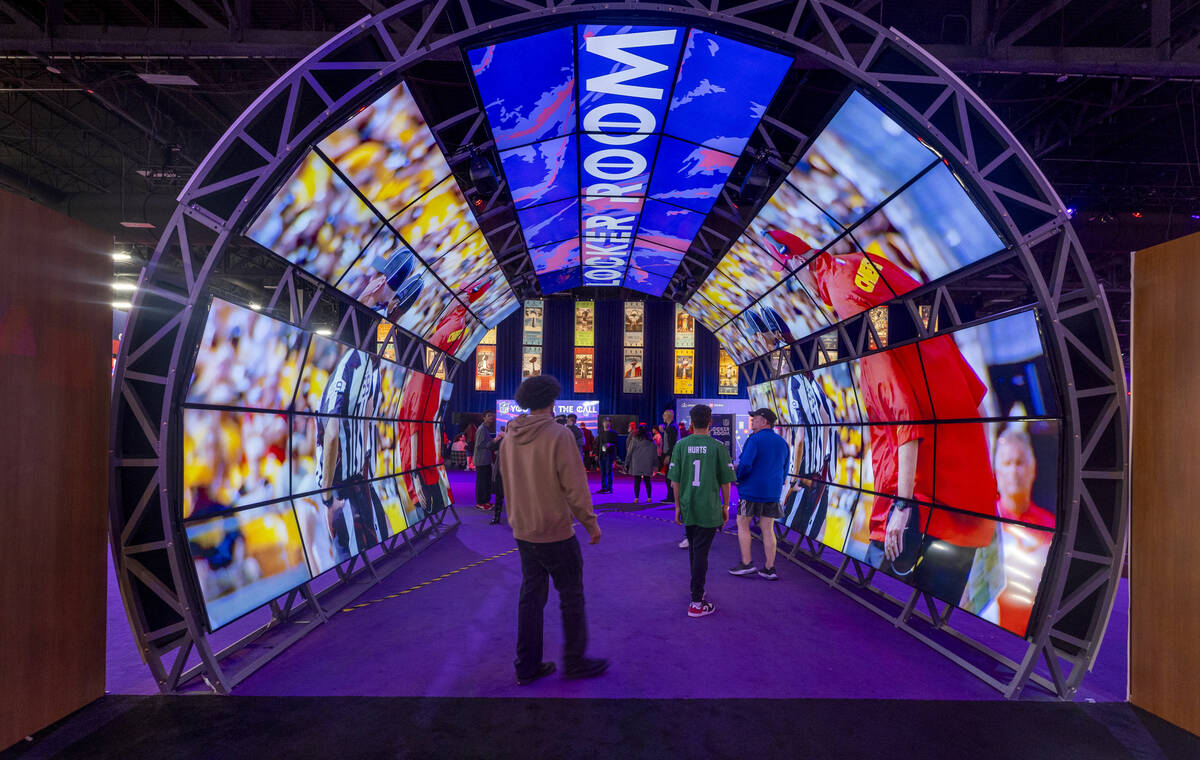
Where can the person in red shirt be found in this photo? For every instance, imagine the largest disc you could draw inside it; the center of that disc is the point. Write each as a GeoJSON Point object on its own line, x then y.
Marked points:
{"type": "Point", "coordinates": [1025, 549]}
{"type": "Point", "coordinates": [904, 457]}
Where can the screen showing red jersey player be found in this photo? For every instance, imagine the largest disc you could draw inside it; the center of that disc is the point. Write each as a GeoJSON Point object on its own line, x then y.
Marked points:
{"type": "Point", "coordinates": [906, 457]}
{"type": "Point", "coordinates": [416, 439]}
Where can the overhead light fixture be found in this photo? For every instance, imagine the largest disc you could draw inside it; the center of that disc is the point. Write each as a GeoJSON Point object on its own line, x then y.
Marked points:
{"type": "Point", "coordinates": [169, 80]}
{"type": "Point", "coordinates": [122, 305]}
{"type": "Point", "coordinates": [53, 69]}
{"type": "Point", "coordinates": [1062, 78]}
{"type": "Point", "coordinates": [121, 256]}
{"type": "Point", "coordinates": [124, 286]}
{"type": "Point", "coordinates": [256, 306]}
{"type": "Point", "coordinates": [138, 225]}
{"type": "Point", "coordinates": [325, 331]}
{"type": "Point", "coordinates": [482, 174]}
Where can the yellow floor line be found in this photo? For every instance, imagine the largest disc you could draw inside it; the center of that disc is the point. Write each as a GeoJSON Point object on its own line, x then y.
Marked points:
{"type": "Point", "coordinates": [360, 605]}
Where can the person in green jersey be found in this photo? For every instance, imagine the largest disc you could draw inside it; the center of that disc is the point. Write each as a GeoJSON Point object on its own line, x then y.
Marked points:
{"type": "Point", "coordinates": [701, 470]}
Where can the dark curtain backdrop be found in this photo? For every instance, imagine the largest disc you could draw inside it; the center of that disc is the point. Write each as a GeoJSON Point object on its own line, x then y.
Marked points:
{"type": "Point", "coordinates": [558, 353]}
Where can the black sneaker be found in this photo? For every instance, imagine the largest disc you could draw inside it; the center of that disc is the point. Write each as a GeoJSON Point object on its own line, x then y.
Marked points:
{"type": "Point", "coordinates": [545, 669]}
{"type": "Point", "coordinates": [768, 573]}
{"type": "Point", "coordinates": [588, 667]}
{"type": "Point", "coordinates": [743, 569]}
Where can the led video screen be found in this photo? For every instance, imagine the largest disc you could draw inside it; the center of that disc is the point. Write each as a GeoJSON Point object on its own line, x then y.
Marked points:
{"type": "Point", "coordinates": [869, 213]}
{"type": "Point", "coordinates": [617, 140]}
{"type": "Point", "coordinates": [285, 477]}
{"type": "Point", "coordinates": [965, 425]}
{"type": "Point", "coordinates": [412, 247]}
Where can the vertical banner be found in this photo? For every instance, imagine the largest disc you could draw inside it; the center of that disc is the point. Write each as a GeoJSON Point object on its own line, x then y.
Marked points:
{"type": "Point", "coordinates": [685, 329]}
{"type": "Point", "coordinates": [531, 333]}
{"type": "Point", "coordinates": [631, 382]}
{"type": "Point", "coordinates": [722, 429]}
{"type": "Point", "coordinates": [386, 350]}
{"type": "Point", "coordinates": [485, 368]}
{"type": "Point", "coordinates": [585, 323]}
{"type": "Point", "coordinates": [685, 371]}
{"type": "Point", "coordinates": [635, 318]}
{"type": "Point", "coordinates": [531, 362]}
{"type": "Point", "coordinates": [727, 375]}
{"type": "Point", "coordinates": [584, 370]}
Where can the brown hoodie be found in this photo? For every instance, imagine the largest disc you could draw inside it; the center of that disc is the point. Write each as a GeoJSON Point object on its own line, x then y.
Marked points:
{"type": "Point", "coordinates": [544, 480]}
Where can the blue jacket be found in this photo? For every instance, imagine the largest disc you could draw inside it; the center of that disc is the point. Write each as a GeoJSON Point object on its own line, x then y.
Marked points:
{"type": "Point", "coordinates": [762, 467]}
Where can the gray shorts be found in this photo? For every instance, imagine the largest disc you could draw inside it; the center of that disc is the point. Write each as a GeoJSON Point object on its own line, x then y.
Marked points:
{"type": "Point", "coordinates": [765, 509]}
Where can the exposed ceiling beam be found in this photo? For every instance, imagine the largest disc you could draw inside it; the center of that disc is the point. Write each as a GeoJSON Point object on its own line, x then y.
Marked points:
{"type": "Point", "coordinates": [124, 40]}
{"type": "Point", "coordinates": [21, 22]}
{"type": "Point", "coordinates": [198, 13]}
{"type": "Point", "coordinates": [1030, 24]}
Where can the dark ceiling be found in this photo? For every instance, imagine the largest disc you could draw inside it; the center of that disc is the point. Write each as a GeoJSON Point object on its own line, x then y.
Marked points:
{"type": "Point", "coordinates": [1102, 93]}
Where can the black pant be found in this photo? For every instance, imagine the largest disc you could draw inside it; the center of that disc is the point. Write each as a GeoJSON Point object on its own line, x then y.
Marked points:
{"type": "Point", "coordinates": [561, 561]}
{"type": "Point", "coordinates": [483, 483]}
{"type": "Point", "coordinates": [637, 485]}
{"type": "Point", "coordinates": [498, 490]}
{"type": "Point", "coordinates": [699, 542]}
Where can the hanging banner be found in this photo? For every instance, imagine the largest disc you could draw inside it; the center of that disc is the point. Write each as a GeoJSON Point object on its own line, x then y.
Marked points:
{"type": "Point", "coordinates": [585, 359]}
{"type": "Point", "coordinates": [585, 323]}
{"type": "Point", "coordinates": [685, 371]}
{"type": "Point", "coordinates": [485, 368]}
{"type": "Point", "coordinates": [531, 362]}
{"type": "Point", "coordinates": [727, 375]}
{"type": "Point", "coordinates": [631, 382]}
{"type": "Point", "coordinates": [489, 338]}
{"type": "Point", "coordinates": [384, 349]}
{"type": "Point", "coordinates": [532, 326]}
{"type": "Point", "coordinates": [685, 329]}
{"type": "Point", "coordinates": [635, 318]}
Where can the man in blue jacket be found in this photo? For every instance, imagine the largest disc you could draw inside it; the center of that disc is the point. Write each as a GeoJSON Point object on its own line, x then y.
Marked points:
{"type": "Point", "coordinates": [761, 470]}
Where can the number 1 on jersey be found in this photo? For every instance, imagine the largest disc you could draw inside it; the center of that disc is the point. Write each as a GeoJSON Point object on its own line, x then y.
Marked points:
{"type": "Point", "coordinates": [696, 472]}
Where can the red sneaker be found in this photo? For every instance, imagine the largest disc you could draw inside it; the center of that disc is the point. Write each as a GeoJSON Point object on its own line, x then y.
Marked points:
{"type": "Point", "coordinates": [700, 609]}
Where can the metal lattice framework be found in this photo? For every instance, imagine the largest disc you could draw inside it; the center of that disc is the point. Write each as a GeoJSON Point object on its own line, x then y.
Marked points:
{"type": "Point", "coordinates": [201, 254]}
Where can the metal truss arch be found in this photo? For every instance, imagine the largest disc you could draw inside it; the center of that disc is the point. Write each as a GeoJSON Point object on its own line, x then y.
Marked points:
{"type": "Point", "coordinates": [268, 139]}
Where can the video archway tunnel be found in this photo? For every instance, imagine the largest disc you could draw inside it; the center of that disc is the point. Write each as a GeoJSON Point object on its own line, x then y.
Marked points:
{"type": "Point", "coordinates": [359, 230]}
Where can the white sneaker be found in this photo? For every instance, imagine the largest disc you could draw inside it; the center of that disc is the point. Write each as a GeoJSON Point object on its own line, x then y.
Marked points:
{"type": "Point", "coordinates": [683, 545]}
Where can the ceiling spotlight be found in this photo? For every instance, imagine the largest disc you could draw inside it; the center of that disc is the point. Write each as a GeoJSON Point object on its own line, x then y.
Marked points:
{"type": "Point", "coordinates": [138, 225]}
{"type": "Point", "coordinates": [325, 331]}
{"type": "Point", "coordinates": [124, 287]}
{"type": "Point", "coordinates": [53, 69]}
{"type": "Point", "coordinates": [1137, 214]}
{"type": "Point", "coordinates": [255, 306]}
{"type": "Point", "coordinates": [482, 174]}
{"type": "Point", "coordinates": [1070, 212]}
{"type": "Point", "coordinates": [121, 256]}
{"type": "Point", "coordinates": [1196, 216]}
{"type": "Point", "coordinates": [1062, 78]}
{"type": "Point", "coordinates": [122, 305]}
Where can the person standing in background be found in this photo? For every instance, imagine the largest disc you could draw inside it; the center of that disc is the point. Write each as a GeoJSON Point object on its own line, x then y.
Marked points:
{"type": "Point", "coordinates": [483, 461]}
{"type": "Point", "coordinates": [546, 487]}
{"type": "Point", "coordinates": [472, 429]}
{"type": "Point", "coordinates": [497, 480]}
{"type": "Point", "coordinates": [670, 433]}
{"type": "Point", "coordinates": [573, 426]}
{"type": "Point", "coordinates": [588, 439]}
{"type": "Point", "coordinates": [641, 458]}
{"type": "Point", "coordinates": [605, 448]}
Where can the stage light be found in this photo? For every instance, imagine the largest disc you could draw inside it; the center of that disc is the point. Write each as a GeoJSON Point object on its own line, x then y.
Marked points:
{"type": "Point", "coordinates": [325, 331]}
{"type": "Point", "coordinates": [482, 175]}
{"type": "Point", "coordinates": [1137, 214]}
{"type": "Point", "coordinates": [121, 256]}
{"type": "Point", "coordinates": [1070, 212]}
{"type": "Point", "coordinates": [124, 287]}
{"type": "Point", "coordinates": [53, 69]}
{"type": "Point", "coordinates": [255, 306]}
{"type": "Point", "coordinates": [122, 305]}
{"type": "Point", "coordinates": [1196, 216]}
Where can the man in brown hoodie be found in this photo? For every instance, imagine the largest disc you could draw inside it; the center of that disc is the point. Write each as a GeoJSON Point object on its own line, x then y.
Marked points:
{"type": "Point", "coordinates": [545, 484]}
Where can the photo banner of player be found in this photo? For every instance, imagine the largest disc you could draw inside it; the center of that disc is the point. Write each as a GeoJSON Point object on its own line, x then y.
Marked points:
{"type": "Point", "coordinates": [685, 371]}
{"type": "Point", "coordinates": [685, 329]}
{"type": "Point", "coordinates": [531, 362]}
{"type": "Point", "coordinates": [585, 364]}
{"type": "Point", "coordinates": [727, 375]}
{"type": "Point", "coordinates": [585, 324]}
{"type": "Point", "coordinates": [635, 320]}
{"type": "Point", "coordinates": [531, 330]}
{"type": "Point", "coordinates": [631, 381]}
{"type": "Point", "coordinates": [485, 368]}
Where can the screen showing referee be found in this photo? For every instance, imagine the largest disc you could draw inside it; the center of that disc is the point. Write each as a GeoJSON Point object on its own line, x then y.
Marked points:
{"type": "Point", "coordinates": [702, 470]}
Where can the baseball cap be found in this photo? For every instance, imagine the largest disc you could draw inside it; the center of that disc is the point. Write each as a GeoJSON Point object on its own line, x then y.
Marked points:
{"type": "Point", "coordinates": [765, 413]}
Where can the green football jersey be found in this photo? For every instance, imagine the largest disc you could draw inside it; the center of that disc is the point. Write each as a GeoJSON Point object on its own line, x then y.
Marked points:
{"type": "Point", "coordinates": [700, 465]}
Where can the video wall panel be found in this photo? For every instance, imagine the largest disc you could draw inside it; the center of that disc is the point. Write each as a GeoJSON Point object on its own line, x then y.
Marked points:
{"type": "Point", "coordinates": [295, 463]}
{"type": "Point", "coordinates": [412, 249]}
{"type": "Point", "coordinates": [935, 461]}
{"type": "Point", "coordinates": [617, 140]}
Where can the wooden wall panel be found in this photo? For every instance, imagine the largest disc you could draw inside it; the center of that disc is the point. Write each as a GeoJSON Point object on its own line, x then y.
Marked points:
{"type": "Point", "coordinates": [55, 332]}
{"type": "Point", "coordinates": [1165, 531]}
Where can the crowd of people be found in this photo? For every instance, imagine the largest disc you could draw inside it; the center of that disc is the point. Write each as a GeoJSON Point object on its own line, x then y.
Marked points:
{"type": "Point", "coordinates": [538, 466]}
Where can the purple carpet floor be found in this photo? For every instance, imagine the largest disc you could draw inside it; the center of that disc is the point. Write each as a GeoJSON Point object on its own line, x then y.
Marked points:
{"type": "Point", "coordinates": [796, 638]}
